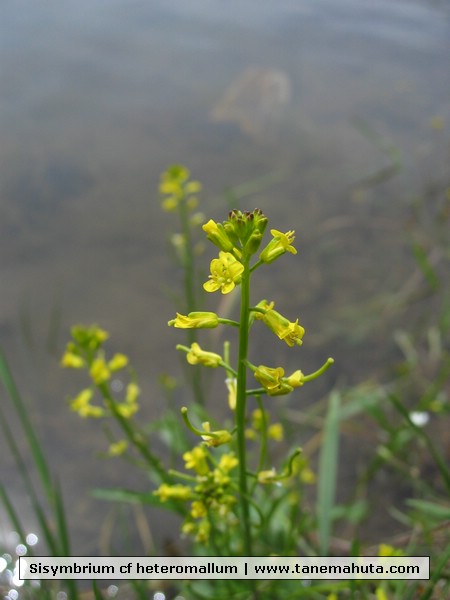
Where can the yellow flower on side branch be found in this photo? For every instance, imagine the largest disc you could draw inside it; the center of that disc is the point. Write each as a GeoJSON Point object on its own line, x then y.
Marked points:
{"type": "Point", "coordinates": [117, 448]}
{"type": "Point", "coordinates": [195, 320]}
{"type": "Point", "coordinates": [81, 404]}
{"type": "Point", "coordinates": [291, 333]}
{"type": "Point", "coordinates": [280, 244]}
{"type": "Point", "coordinates": [197, 356]}
{"type": "Point", "coordinates": [132, 393]}
{"type": "Point", "coordinates": [174, 492]}
{"type": "Point", "coordinates": [118, 361]}
{"type": "Point", "coordinates": [215, 438]}
{"type": "Point", "coordinates": [273, 380]}
{"type": "Point", "coordinates": [72, 360]}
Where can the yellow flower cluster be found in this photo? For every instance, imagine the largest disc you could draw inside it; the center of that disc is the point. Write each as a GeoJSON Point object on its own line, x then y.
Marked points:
{"type": "Point", "coordinates": [175, 187]}
{"type": "Point", "coordinates": [86, 351]}
{"type": "Point", "coordinates": [210, 491]}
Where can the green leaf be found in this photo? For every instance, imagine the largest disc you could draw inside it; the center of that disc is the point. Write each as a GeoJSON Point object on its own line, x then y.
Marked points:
{"type": "Point", "coordinates": [425, 266]}
{"type": "Point", "coordinates": [437, 511]}
{"type": "Point", "coordinates": [118, 495]}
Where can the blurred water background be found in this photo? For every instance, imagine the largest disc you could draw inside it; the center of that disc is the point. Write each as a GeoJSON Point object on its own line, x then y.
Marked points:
{"type": "Point", "coordinates": [345, 106]}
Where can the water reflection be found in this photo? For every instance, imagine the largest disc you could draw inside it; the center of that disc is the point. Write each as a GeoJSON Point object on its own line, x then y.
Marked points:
{"type": "Point", "coordinates": [255, 100]}
{"type": "Point", "coordinates": [97, 103]}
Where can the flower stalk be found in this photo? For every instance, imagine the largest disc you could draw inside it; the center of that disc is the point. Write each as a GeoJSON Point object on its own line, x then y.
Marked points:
{"type": "Point", "coordinates": [241, 401]}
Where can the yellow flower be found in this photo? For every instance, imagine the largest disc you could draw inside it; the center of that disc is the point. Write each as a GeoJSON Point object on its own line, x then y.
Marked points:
{"type": "Point", "coordinates": [195, 459]}
{"type": "Point", "coordinates": [291, 333]}
{"type": "Point", "coordinates": [228, 462]}
{"type": "Point", "coordinates": [198, 356]}
{"type": "Point", "coordinates": [132, 393]}
{"type": "Point", "coordinates": [226, 273]}
{"type": "Point", "coordinates": [117, 362]}
{"type": "Point", "coordinates": [307, 476]}
{"type": "Point", "coordinates": [117, 448]}
{"type": "Point", "coordinates": [188, 528]}
{"type": "Point", "coordinates": [203, 531]}
{"type": "Point", "coordinates": [127, 410]}
{"type": "Point", "coordinates": [82, 400]}
{"type": "Point", "coordinates": [280, 244]}
{"type": "Point", "coordinates": [269, 378]}
{"type": "Point", "coordinates": [198, 509]}
{"type": "Point", "coordinates": [250, 434]}
{"type": "Point", "coordinates": [269, 476]}
{"type": "Point", "coordinates": [99, 371]}
{"type": "Point", "coordinates": [173, 492]}
{"type": "Point", "coordinates": [273, 381]}
{"type": "Point", "coordinates": [169, 204]}
{"type": "Point", "coordinates": [215, 438]}
{"type": "Point", "coordinates": [72, 361]}
{"type": "Point", "coordinates": [195, 320]}
{"type": "Point", "coordinates": [381, 594]}
{"type": "Point", "coordinates": [259, 418]}
{"type": "Point", "coordinates": [95, 412]}
{"type": "Point", "coordinates": [197, 219]}
{"type": "Point", "coordinates": [387, 550]}
{"type": "Point", "coordinates": [296, 379]}
{"type": "Point", "coordinates": [217, 235]}
{"type": "Point", "coordinates": [81, 405]}
{"type": "Point", "coordinates": [275, 432]}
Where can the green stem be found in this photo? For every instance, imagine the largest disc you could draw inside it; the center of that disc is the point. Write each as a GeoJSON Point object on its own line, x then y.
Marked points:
{"type": "Point", "coordinates": [188, 262]}
{"type": "Point", "coordinates": [133, 435]}
{"type": "Point", "coordinates": [263, 442]}
{"type": "Point", "coordinates": [320, 371]}
{"type": "Point", "coordinates": [241, 399]}
{"type": "Point", "coordinates": [189, 291]}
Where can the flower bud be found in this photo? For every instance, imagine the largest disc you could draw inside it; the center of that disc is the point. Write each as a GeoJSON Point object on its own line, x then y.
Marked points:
{"type": "Point", "coordinates": [195, 320]}
{"type": "Point", "coordinates": [217, 235]}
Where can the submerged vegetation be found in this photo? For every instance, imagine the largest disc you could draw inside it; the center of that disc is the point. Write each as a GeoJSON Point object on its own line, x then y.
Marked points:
{"type": "Point", "coordinates": [249, 469]}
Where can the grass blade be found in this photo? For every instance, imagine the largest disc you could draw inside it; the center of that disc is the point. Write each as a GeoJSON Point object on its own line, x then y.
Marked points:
{"type": "Point", "coordinates": [11, 512]}
{"type": "Point", "coordinates": [35, 447]}
{"type": "Point", "coordinates": [29, 486]}
{"type": "Point", "coordinates": [328, 466]}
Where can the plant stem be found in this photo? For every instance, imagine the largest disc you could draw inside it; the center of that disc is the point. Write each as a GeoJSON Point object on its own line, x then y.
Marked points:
{"type": "Point", "coordinates": [189, 292]}
{"type": "Point", "coordinates": [241, 406]}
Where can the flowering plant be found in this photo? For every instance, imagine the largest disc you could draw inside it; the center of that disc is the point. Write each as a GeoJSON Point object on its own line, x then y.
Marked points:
{"type": "Point", "coordinates": [226, 498]}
